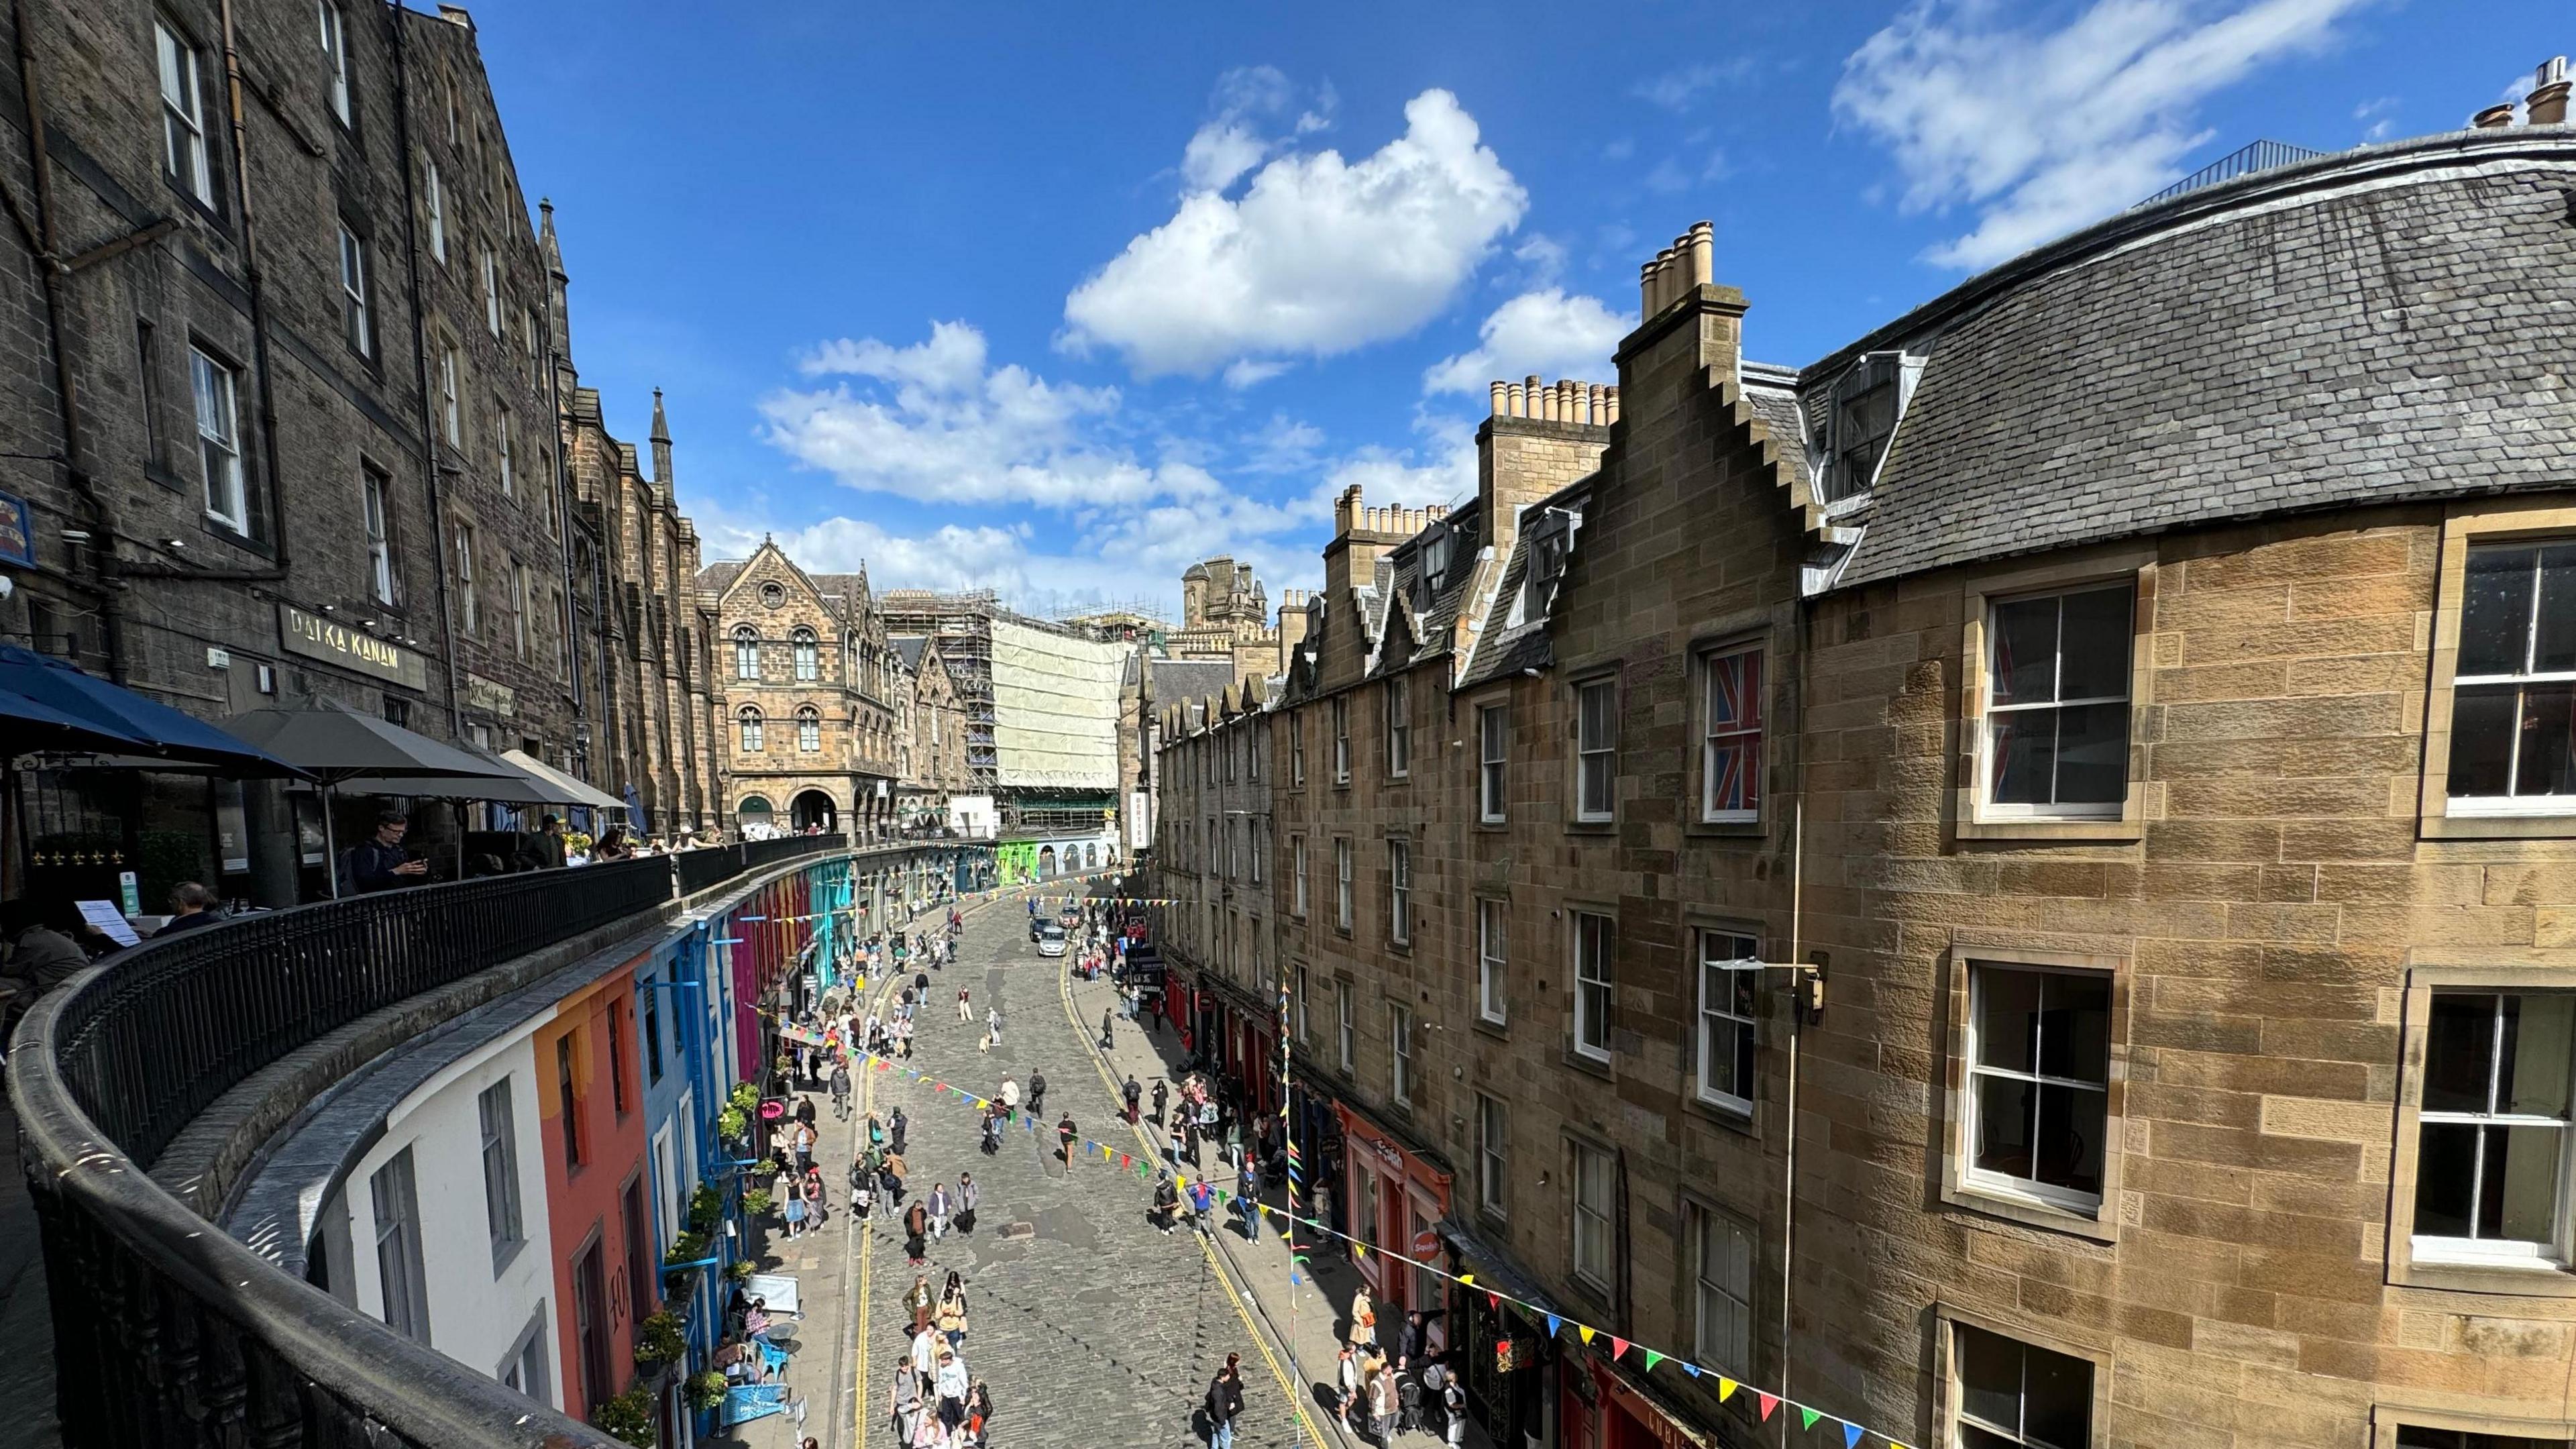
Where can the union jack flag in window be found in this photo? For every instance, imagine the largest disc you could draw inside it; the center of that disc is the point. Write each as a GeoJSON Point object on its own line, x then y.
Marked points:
{"type": "Point", "coordinates": [1731, 767]}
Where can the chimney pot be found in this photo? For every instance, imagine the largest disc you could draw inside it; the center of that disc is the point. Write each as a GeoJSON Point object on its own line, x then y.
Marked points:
{"type": "Point", "coordinates": [2547, 103]}
{"type": "Point", "coordinates": [1516, 401]}
{"type": "Point", "coordinates": [1495, 392]}
{"type": "Point", "coordinates": [2493, 118]}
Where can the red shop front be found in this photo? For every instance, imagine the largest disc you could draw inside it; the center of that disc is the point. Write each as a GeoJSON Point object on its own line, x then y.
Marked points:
{"type": "Point", "coordinates": [1393, 1199]}
{"type": "Point", "coordinates": [1602, 1410]}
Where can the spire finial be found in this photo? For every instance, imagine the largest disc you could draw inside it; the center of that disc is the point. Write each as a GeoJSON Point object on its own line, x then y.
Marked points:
{"type": "Point", "coordinates": [661, 425]}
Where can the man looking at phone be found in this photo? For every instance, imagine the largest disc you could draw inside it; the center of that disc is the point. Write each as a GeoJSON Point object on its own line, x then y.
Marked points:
{"type": "Point", "coordinates": [381, 863]}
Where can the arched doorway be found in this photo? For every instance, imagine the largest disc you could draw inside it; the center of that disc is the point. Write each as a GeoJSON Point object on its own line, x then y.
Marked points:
{"type": "Point", "coordinates": [1046, 861]}
{"type": "Point", "coordinates": [754, 810]}
{"type": "Point", "coordinates": [813, 807]}
{"type": "Point", "coordinates": [1091, 857]}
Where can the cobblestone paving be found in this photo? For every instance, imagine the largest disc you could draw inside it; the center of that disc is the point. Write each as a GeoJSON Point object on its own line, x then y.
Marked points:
{"type": "Point", "coordinates": [1097, 1330]}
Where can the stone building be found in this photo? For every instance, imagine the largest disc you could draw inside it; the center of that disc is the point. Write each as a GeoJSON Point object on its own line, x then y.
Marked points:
{"type": "Point", "coordinates": [811, 732]}
{"type": "Point", "coordinates": [934, 731]}
{"type": "Point", "coordinates": [1214, 847]}
{"type": "Point", "coordinates": [2010, 884]}
{"type": "Point", "coordinates": [282, 427]}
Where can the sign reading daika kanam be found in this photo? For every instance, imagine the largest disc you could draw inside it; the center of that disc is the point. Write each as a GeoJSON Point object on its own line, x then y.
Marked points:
{"type": "Point", "coordinates": [333, 642]}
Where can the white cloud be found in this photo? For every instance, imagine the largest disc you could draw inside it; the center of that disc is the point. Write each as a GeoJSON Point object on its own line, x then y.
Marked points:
{"type": "Point", "coordinates": [1546, 332]}
{"type": "Point", "coordinates": [1679, 90]}
{"type": "Point", "coordinates": [940, 424]}
{"type": "Point", "coordinates": [1218, 154]}
{"type": "Point", "coordinates": [1318, 256]}
{"type": "Point", "coordinates": [2045, 131]}
{"type": "Point", "coordinates": [1249, 372]}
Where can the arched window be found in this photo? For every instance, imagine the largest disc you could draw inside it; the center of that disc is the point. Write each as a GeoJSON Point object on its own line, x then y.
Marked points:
{"type": "Point", "coordinates": [749, 719]}
{"type": "Point", "coordinates": [746, 652]}
{"type": "Point", "coordinates": [809, 728]}
{"type": "Point", "coordinates": [809, 657]}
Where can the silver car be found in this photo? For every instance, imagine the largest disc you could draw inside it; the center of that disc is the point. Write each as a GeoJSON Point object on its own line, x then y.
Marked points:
{"type": "Point", "coordinates": [1050, 939]}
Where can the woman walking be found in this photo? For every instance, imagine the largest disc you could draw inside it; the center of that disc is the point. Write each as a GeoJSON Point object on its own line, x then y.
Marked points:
{"type": "Point", "coordinates": [916, 1226]}
{"type": "Point", "coordinates": [952, 1312]}
{"type": "Point", "coordinates": [904, 1402]}
{"type": "Point", "coordinates": [919, 1300]}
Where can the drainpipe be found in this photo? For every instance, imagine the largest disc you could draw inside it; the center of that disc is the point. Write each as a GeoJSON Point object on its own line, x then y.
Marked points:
{"type": "Point", "coordinates": [430, 462]}
{"type": "Point", "coordinates": [102, 551]}
{"type": "Point", "coordinates": [254, 282]}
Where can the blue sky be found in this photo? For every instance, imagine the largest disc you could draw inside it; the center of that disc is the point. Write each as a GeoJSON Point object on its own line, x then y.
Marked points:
{"type": "Point", "coordinates": [1057, 299]}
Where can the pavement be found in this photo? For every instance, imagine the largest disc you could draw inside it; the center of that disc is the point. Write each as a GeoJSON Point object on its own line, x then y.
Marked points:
{"type": "Point", "coordinates": [1304, 1309]}
{"type": "Point", "coordinates": [26, 1317]}
{"type": "Point", "coordinates": [1092, 1328]}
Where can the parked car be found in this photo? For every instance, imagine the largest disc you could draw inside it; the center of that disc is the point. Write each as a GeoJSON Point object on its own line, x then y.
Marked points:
{"type": "Point", "coordinates": [1050, 939]}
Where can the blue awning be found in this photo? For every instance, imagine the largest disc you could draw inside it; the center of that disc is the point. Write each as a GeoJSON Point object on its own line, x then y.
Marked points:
{"type": "Point", "coordinates": [120, 720]}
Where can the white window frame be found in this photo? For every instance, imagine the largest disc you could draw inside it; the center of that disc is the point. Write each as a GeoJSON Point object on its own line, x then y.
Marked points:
{"type": "Point", "coordinates": [216, 393]}
{"type": "Point", "coordinates": [1593, 1190]}
{"type": "Point", "coordinates": [1399, 727]}
{"type": "Point", "coordinates": [2509, 1252]}
{"type": "Point", "coordinates": [1297, 751]}
{"type": "Point", "coordinates": [2065, 1199]}
{"type": "Point", "coordinates": [1594, 948]}
{"type": "Point", "coordinates": [1305, 1025]}
{"type": "Point", "coordinates": [1260, 848]}
{"type": "Point", "coordinates": [469, 610]}
{"type": "Point", "coordinates": [402, 1281]}
{"type": "Point", "coordinates": [1714, 739]}
{"type": "Point", "coordinates": [1341, 720]}
{"type": "Point", "coordinates": [809, 730]}
{"type": "Point", "coordinates": [1343, 1032]}
{"type": "Point", "coordinates": [1990, 754]}
{"type": "Point", "coordinates": [808, 653]}
{"type": "Point", "coordinates": [373, 507]}
{"type": "Point", "coordinates": [1297, 864]}
{"type": "Point", "coordinates": [746, 651]}
{"type": "Point", "coordinates": [183, 114]}
{"type": "Point", "coordinates": [1399, 1037]}
{"type": "Point", "coordinates": [1493, 763]}
{"type": "Point", "coordinates": [357, 317]}
{"type": "Point", "coordinates": [451, 407]}
{"type": "Point", "coordinates": [501, 439]}
{"type": "Point", "coordinates": [1399, 892]}
{"type": "Point", "coordinates": [1722, 1256]}
{"type": "Point", "coordinates": [1725, 1013]}
{"type": "Point", "coordinates": [1493, 1156]}
{"type": "Point", "coordinates": [1596, 750]}
{"type": "Point", "coordinates": [2512, 802]}
{"type": "Point", "coordinates": [751, 729]}
{"type": "Point", "coordinates": [518, 608]}
{"type": "Point", "coordinates": [503, 1216]}
{"type": "Point", "coordinates": [492, 291]}
{"type": "Point", "coordinates": [1493, 959]}
{"type": "Point", "coordinates": [434, 191]}
{"type": "Point", "coordinates": [2014, 1434]}
{"type": "Point", "coordinates": [1345, 894]}
{"type": "Point", "coordinates": [335, 54]}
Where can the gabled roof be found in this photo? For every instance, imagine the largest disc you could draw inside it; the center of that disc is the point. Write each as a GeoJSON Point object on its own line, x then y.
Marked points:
{"type": "Point", "coordinates": [1504, 647]}
{"type": "Point", "coordinates": [910, 647]}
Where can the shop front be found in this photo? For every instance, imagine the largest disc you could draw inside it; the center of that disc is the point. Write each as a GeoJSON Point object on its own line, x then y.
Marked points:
{"type": "Point", "coordinates": [1506, 1359]}
{"type": "Point", "coordinates": [1395, 1201]}
{"type": "Point", "coordinates": [1604, 1410]}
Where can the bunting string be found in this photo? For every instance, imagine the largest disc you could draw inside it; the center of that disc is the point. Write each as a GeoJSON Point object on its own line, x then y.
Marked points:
{"type": "Point", "coordinates": [1765, 1402]}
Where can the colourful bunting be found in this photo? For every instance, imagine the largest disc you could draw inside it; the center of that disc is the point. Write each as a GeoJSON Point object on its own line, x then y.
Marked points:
{"type": "Point", "coordinates": [1585, 1329]}
{"type": "Point", "coordinates": [1806, 1417]}
{"type": "Point", "coordinates": [1726, 1388]}
{"type": "Point", "coordinates": [1618, 1346]}
{"type": "Point", "coordinates": [1767, 1403]}
{"type": "Point", "coordinates": [1554, 1325]}
{"type": "Point", "coordinates": [1851, 1435]}
{"type": "Point", "coordinates": [1652, 1358]}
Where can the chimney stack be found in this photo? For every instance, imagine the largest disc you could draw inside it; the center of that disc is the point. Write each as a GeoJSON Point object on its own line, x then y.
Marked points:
{"type": "Point", "coordinates": [2547, 103]}
{"type": "Point", "coordinates": [1679, 270]}
{"type": "Point", "coordinates": [2493, 118]}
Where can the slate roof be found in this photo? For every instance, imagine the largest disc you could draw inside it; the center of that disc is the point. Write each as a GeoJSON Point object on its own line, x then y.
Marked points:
{"type": "Point", "coordinates": [2381, 325]}
{"type": "Point", "coordinates": [1504, 648]}
{"type": "Point", "coordinates": [1430, 620]}
{"type": "Point", "coordinates": [717, 577]}
{"type": "Point", "coordinates": [1175, 680]}
{"type": "Point", "coordinates": [910, 647]}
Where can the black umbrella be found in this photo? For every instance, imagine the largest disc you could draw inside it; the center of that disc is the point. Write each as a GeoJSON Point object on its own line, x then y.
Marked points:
{"type": "Point", "coordinates": [46, 704]}
{"type": "Point", "coordinates": [334, 743]}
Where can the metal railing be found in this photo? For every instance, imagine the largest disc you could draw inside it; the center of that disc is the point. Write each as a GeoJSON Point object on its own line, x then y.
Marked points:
{"type": "Point", "coordinates": [170, 1333]}
{"type": "Point", "coordinates": [704, 869]}
{"type": "Point", "coordinates": [2243, 161]}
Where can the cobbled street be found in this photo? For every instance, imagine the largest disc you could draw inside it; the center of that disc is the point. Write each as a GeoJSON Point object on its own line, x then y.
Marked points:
{"type": "Point", "coordinates": [1096, 1329]}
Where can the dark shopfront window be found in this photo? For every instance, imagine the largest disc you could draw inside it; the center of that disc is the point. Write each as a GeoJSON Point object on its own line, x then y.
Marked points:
{"type": "Point", "coordinates": [1505, 1403]}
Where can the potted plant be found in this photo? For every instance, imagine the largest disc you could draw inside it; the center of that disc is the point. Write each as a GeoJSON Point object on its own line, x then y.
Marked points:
{"type": "Point", "coordinates": [659, 1342]}
{"type": "Point", "coordinates": [705, 1390]}
{"type": "Point", "coordinates": [687, 1247]}
{"type": "Point", "coordinates": [740, 1268]}
{"type": "Point", "coordinates": [756, 1202]}
{"type": "Point", "coordinates": [628, 1418]}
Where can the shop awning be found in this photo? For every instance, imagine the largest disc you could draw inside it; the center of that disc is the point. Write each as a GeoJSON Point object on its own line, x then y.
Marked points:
{"type": "Point", "coordinates": [334, 743]}
{"type": "Point", "coordinates": [46, 704]}
{"type": "Point", "coordinates": [507, 784]}
{"type": "Point", "coordinates": [576, 792]}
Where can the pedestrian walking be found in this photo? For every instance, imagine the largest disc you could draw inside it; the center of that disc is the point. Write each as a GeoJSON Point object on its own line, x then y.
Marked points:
{"type": "Point", "coordinates": [993, 1027]}
{"type": "Point", "coordinates": [1167, 1202]}
{"type": "Point", "coordinates": [1162, 1094]}
{"type": "Point", "coordinates": [1202, 1203]}
{"type": "Point", "coordinates": [841, 1089]}
{"type": "Point", "coordinates": [918, 1301]}
{"type": "Point", "coordinates": [1347, 1377]}
{"type": "Point", "coordinates": [1037, 1094]}
{"type": "Point", "coordinates": [952, 1312]}
{"type": "Point", "coordinates": [895, 1130]}
{"type": "Point", "coordinates": [951, 1383]}
{"type": "Point", "coordinates": [1225, 1402]}
{"type": "Point", "coordinates": [1010, 1095]}
{"type": "Point", "coordinates": [1172, 1147]}
{"type": "Point", "coordinates": [876, 1130]}
{"type": "Point", "coordinates": [1363, 1320]}
{"type": "Point", "coordinates": [1453, 1411]}
{"type": "Point", "coordinates": [939, 1206]}
{"type": "Point", "coordinates": [1247, 1193]}
{"type": "Point", "coordinates": [903, 1402]}
{"type": "Point", "coordinates": [968, 1197]}
{"type": "Point", "coordinates": [1104, 1028]}
{"type": "Point", "coordinates": [1065, 1132]}
{"type": "Point", "coordinates": [979, 1415]}
{"type": "Point", "coordinates": [1381, 1402]}
{"type": "Point", "coordinates": [793, 1198]}
{"type": "Point", "coordinates": [916, 1226]}
{"type": "Point", "coordinates": [892, 1177]}
{"type": "Point", "coordinates": [1131, 1092]}
{"type": "Point", "coordinates": [816, 1202]}
{"type": "Point", "coordinates": [964, 1011]}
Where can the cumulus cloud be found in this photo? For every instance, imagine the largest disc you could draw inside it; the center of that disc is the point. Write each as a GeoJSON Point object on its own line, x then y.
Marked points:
{"type": "Point", "coordinates": [935, 421]}
{"type": "Point", "coordinates": [2043, 131]}
{"type": "Point", "coordinates": [1316, 256]}
{"type": "Point", "coordinates": [1547, 332]}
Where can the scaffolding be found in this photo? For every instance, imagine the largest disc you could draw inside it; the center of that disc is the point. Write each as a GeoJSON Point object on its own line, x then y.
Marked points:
{"type": "Point", "coordinates": [961, 625]}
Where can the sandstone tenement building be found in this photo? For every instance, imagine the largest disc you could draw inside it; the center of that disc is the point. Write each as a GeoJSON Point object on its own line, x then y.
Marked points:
{"type": "Point", "coordinates": [2014, 882]}
{"type": "Point", "coordinates": [293, 414]}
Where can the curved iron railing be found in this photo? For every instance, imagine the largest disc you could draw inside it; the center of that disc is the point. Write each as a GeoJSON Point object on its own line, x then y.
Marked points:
{"type": "Point", "coordinates": [170, 1334]}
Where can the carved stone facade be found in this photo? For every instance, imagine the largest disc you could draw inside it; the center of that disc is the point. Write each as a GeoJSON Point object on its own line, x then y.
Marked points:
{"type": "Point", "coordinates": [811, 734]}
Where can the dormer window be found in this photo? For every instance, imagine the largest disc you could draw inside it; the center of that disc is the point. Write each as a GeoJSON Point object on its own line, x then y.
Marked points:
{"type": "Point", "coordinates": [1548, 541]}
{"type": "Point", "coordinates": [1867, 399]}
{"type": "Point", "coordinates": [1437, 546]}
